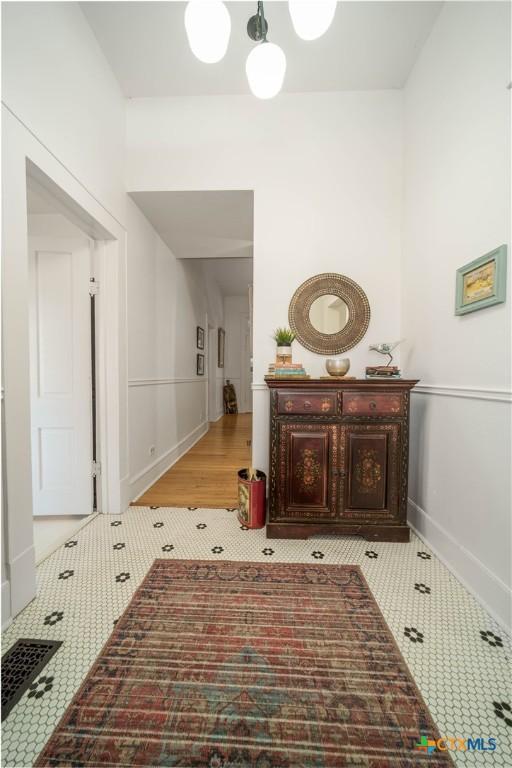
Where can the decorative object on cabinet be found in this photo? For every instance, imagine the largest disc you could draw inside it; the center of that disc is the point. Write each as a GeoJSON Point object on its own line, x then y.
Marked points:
{"type": "Point", "coordinates": [338, 368]}
{"type": "Point", "coordinates": [287, 371]}
{"type": "Point", "coordinates": [229, 394]}
{"type": "Point", "coordinates": [199, 337]}
{"type": "Point", "coordinates": [220, 347]}
{"type": "Point", "coordinates": [329, 314]}
{"type": "Point", "coordinates": [283, 338]}
{"type": "Point", "coordinates": [339, 458]}
{"type": "Point", "coordinates": [482, 282]}
{"type": "Point", "coordinates": [384, 371]}
{"type": "Point", "coordinates": [386, 348]}
{"type": "Point", "coordinates": [200, 365]}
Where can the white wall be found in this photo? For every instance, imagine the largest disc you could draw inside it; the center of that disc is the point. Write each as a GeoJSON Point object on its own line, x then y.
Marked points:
{"type": "Point", "coordinates": [456, 208]}
{"type": "Point", "coordinates": [56, 80]}
{"type": "Point", "coordinates": [326, 169]}
{"type": "Point", "coordinates": [62, 110]}
{"type": "Point", "coordinates": [19, 144]}
{"type": "Point", "coordinates": [236, 319]}
{"type": "Point", "coordinates": [167, 299]}
{"type": "Point", "coordinates": [5, 575]}
{"type": "Point", "coordinates": [51, 225]}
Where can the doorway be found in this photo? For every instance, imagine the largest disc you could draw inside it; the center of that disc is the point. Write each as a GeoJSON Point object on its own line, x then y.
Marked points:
{"type": "Point", "coordinates": [62, 389]}
{"type": "Point", "coordinates": [210, 236]}
{"type": "Point", "coordinates": [27, 162]}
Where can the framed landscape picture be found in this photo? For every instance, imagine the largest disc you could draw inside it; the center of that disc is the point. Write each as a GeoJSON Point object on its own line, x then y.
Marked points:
{"type": "Point", "coordinates": [482, 282]}
{"type": "Point", "coordinates": [220, 348]}
{"type": "Point", "coordinates": [200, 337]}
{"type": "Point", "coordinates": [200, 365]}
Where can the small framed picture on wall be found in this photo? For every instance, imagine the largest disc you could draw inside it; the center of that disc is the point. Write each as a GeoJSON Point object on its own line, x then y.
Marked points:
{"type": "Point", "coordinates": [200, 337]}
{"type": "Point", "coordinates": [220, 348]}
{"type": "Point", "coordinates": [200, 365]}
{"type": "Point", "coordinates": [482, 283]}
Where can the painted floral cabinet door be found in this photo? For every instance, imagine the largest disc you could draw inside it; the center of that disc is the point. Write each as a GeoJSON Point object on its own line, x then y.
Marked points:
{"type": "Point", "coordinates": [308, 461]}
{"type": "Point", "coordinates": [371, 465]}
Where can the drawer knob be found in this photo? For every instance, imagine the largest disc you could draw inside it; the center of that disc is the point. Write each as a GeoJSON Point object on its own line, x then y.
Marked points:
{"type": "Point", "coordinates": [372, 405]}
{"type": "Point", "coordinates": [307, 405]}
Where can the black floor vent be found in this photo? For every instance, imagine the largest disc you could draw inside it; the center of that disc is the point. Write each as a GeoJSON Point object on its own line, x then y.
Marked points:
{"type": "Point", "coordinates": [21, 664]}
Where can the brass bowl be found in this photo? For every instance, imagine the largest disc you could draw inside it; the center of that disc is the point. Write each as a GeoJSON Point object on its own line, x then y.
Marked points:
{"type": "Point", "coordinates": [337, 367]}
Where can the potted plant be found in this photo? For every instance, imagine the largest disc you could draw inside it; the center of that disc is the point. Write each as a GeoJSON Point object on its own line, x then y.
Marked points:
{"type": "Point", "coordinates": [283, 338]}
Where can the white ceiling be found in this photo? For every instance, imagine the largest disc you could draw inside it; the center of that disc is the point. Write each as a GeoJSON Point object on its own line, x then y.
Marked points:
{"type": "Point", "coordinates": [233, 276]}
{"type": "Point", "coordinates": [38, 202]}
{"type": "Point", "coordinates": [198, 225]}
{"type": "Point", "coordinates": [370, 45]}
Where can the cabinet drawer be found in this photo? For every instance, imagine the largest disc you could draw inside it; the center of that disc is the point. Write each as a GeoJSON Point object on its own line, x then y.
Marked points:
{"type": "Point", "coordinates": [305, 402]}
{"type": "Point", "coordinates": [372, 404]}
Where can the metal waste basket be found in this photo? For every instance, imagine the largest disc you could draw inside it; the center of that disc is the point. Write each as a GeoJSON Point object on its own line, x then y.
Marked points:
{"type": "Point", "coordinates": [252, 498]}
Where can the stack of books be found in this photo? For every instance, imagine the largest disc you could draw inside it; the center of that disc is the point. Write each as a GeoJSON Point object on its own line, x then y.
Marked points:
{"type": "Point", "coordinates": [286, 371]}
{"type": "Point", "coordinates": [382, 372]}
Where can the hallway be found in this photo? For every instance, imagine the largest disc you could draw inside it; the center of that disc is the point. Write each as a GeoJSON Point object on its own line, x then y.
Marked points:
{"type": "Point", "coordinates": [206, 476]}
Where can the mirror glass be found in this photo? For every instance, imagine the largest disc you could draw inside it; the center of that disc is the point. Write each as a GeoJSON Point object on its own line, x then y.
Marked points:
{"type": "Point", "coordinates": [328, 314]}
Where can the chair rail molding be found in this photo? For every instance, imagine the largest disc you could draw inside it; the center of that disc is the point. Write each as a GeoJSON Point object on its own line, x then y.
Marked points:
{"type": "Point", "coordinates": [471, 393]}
{"type": "Point", "coordinates": [158, 381]}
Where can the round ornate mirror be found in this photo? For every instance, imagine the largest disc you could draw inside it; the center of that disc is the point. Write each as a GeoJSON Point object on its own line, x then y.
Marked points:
{"type": "Point", "coordinates": [329, 314]}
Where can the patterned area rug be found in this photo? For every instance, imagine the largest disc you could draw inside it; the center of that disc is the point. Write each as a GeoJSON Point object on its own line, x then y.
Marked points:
{"type": "Point", "coordinates": [231, 665]}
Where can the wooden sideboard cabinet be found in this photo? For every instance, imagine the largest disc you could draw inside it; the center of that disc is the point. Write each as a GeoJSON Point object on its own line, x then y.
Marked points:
{"type": "Point", "coordinates": [339, 458]}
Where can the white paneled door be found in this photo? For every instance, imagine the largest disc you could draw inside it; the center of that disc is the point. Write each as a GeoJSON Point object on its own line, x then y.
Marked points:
{"type": "Point", "coordinates": [61, 391]}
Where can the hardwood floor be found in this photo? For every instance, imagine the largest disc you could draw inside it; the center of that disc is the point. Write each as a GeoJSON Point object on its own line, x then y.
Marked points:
{"type": "Point", "coordinates": [206, 476]}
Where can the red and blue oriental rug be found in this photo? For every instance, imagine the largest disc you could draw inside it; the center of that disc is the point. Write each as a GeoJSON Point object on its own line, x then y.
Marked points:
{"type": "Point", "coordinates": [248, 665]}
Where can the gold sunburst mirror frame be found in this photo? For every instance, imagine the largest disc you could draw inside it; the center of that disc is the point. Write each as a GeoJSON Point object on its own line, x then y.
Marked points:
{"type": "Point", "coordinates": [358, 313]}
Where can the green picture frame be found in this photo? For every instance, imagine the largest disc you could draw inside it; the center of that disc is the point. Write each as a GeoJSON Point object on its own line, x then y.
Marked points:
{"type": "Point", "coordinates": [482, 282]}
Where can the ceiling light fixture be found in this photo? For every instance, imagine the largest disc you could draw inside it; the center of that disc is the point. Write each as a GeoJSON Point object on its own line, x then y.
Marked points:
{"type": "Point", "coordinates": [208, 26]}
{"type": "Point", "coordinates": [266, 64]}
{"type": "Point", "coordinates": [311, 18]}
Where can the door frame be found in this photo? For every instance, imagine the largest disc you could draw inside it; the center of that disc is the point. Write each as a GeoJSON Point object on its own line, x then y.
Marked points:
{"type": "Point", "coordinates": [245, 364]}
{"type": "Point", "coordinates": [211, 370]}
{"type": "Point", "coordinates": [111, 378]}
{"type": "Point", "coordinates": [25, 156]}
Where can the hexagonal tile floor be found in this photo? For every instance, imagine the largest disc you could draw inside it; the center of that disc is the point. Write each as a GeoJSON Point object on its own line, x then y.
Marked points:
{"type": "Point", "coordinates": [459, 657]}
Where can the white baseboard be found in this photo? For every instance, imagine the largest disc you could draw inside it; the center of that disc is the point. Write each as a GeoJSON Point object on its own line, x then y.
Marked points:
{"type": "Point", "coordinates": [22, 578]}
{"type": "Point", "coordinates": [6, 605]}
{"type": "Point", "coordinates": [60, 540]}
{"type": "Point", "coordinates": [145, 479]}
{"type": "Point", "coordinates": [221, 414]}
{"type": "Point", "coordinates": [125, 496]}
{"type": "Point", "coordinates": [492, 593]}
